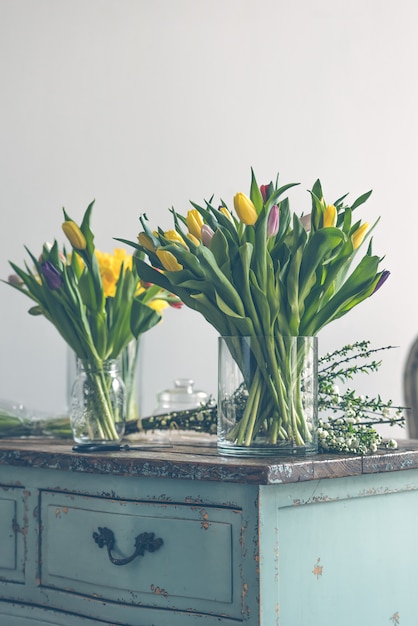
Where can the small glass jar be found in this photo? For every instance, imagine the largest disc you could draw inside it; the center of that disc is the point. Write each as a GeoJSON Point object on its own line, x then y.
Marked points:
{"type": "Point", "coordinates": [177, 418]}
{"type": "Point", "coordinates": [180, 398]}
{"type": "Point", "coordinates": [98, 407]}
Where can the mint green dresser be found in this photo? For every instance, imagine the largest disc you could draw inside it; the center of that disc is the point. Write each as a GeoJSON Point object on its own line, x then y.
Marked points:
{"type": "Point", "coordinates": [184, 537]}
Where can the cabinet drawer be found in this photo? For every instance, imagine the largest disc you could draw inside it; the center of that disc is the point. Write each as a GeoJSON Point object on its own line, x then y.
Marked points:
{"type": "Point", "coordinates": [196, 568]}
{"type": "Point", "coordinates": [12, 534]}
{"type": "Point", "coordinates": [12, 614]}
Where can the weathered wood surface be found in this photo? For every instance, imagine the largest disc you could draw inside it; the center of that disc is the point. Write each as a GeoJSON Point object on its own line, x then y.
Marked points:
{"type": "Point", "coordinates": [188, 462]}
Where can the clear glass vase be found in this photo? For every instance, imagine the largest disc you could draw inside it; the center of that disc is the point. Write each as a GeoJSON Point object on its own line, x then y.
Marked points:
{"type": "Point", "coordinates": [98, 404]}
{"type": "Point", "coordinates": [130, 370]}
{"type": "Point", "coordinates": [131, 373]}
{"type": "Point", "coordinates": [267, 396]}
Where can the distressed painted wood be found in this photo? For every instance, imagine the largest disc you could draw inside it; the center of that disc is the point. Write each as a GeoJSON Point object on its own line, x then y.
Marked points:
{"type": "Point", "coordinates": [263, 542]}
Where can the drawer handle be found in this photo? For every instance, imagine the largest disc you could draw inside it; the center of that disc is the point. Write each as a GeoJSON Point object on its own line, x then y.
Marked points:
{"type": "Point", "coordinates": [144, 541]}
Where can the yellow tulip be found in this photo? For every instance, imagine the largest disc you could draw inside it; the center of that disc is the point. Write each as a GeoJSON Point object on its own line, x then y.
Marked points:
{"type": "Point", "coordinates": [194, 222]}
{"type": "Point", "coordinates": [168, 260]}
{"type": "Point", "coordinates": [158, 305]}
{"type": "Point", "coordinates": [146, 242]}
{"type": "Point", "coordinates": [245, 209]}
{"type": "Point", "coordinates": [173, 235]}
{"type": "Point", "coordinates": [225, 212]}
{"type": "Point", "coordinates": [193, 239]}
{"type": "Point", "coordinates": [330, 216]}
{"type": "Point", "coordinates": [74, 235]}
{"type": "Point", "coordinates": [358, 236]}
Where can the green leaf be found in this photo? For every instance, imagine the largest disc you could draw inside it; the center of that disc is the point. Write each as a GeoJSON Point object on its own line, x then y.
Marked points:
{"type": "Point", "coordinates": [358, 286]}
{"type": "Point", "coordinates": [210, 312]}
{"type": "Point", "coordinates": [86, 230]}
{"type": "Point", "coordinates": [361, 199]}
{"type": "Point", "coordinates": [219, 247]}
{"type": "Point", "coordinates": [261, 304]}
{"type": "Point", "coordinates": [223, 286]}
{"type": "Point", "coordinates": [292, 284]}
{"type": "Point", "coordinates": [276, 194]}
{"type": "Point", "coordinates": [255, 193]}
{"type": "Point", "coordinates": [320, 245]}
{"type": "Point", "coordinates": [150, 275]}
{"type": "Point", "coordinates": [142, 318]}
{"type": "Point", "coordinates": [35, 310]}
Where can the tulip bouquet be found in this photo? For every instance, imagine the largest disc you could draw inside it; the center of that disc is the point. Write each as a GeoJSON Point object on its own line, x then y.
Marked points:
{"type": "Point", "coordinates": [262, 277]}
{"type": "Point", "coordinates": [97, 314]}
{"type": "Point", "coordinates": [110, 267]}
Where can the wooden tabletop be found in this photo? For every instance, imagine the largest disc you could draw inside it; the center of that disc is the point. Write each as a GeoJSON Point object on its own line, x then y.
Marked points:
{"type": "Point", "coordinates": [202, 462]}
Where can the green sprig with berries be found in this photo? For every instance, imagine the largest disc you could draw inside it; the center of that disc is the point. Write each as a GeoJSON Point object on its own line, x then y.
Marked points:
{"type": "Point", "coordinates": [349, 425]}
{"type": "Point", "coordinates": [350, 419]}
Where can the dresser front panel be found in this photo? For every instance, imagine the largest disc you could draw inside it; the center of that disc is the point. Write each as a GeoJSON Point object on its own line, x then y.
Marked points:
{"type": "Point", "coordinates": [196, 569]}
{"type": "Point", "coordinates": [12, 534]}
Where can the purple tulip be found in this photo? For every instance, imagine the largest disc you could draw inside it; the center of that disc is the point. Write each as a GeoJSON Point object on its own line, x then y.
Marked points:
{"type": "Point", "coordinates": [15, 280]}
{"type": "Point", "coordinates": [206, 234]}
{"type": "Point", "coordinates": [52, 275]}
{"type": "Point", "coordinates": [273, 221]}
{"type": "Point", "coordinates": [306, 222]}
{"type": "Point", "coordinates": [383, 278]}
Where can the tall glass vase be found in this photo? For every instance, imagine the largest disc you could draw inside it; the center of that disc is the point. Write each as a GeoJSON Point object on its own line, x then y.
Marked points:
{"type": "Point", "coordinates": [267, 395]}
{"type": "Point", "coordinates": [130, 363]}
{"type": "Point", "coordinates": [97, 410]}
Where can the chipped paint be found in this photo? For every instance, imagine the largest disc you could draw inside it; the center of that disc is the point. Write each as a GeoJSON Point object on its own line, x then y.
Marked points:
{"type": "Point", "coordinates": [159, 591]}
{"type": "Point", "coordinates": [317, 570]}
{"type": "Point", "coordinates": [191, 500]}
{"type": "Point", "coordinates": [204, 515]}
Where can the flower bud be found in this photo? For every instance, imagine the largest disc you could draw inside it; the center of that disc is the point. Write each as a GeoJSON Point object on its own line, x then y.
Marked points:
{"type": "Point", "coordinates": [172, 235]}
{"type": "Point", "coordinates": [74, 235]}
{"type": "Point", "coordinates": [382, 279]}
{"type": "Point", "coordinates": [273, 221]}
{"type": "Point", "coordinates": [193, 239]}
{"type": "Point", "coordinates": [245, 209]}
{"type": "Point", "coordinates": [306, 222]}
{"type": "Point", "coordinates": [207, 234]}
{"type": "Point", "coordinates": [15, 280]}
{"type": "Point", "coordinates": [330, 216]}
{"type": "Point", "coordinates": [146, 242]}
{"type": "Point", "coordinates": [52, 276]}
{"type": "Point", "coordinates": [225, 212]}
{"type": "Point", "coordinates": [264, 191]}
{"type": "Point", "coordinates": [194, 222]}
{"type": "Point", "coordinates": [168, 260]}
{"type": "Point", "coordinates": [359, 234]}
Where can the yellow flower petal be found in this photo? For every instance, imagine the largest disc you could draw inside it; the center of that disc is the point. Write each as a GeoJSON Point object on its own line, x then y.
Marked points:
{"type": "Point", "coordinates": [173, 235]}
{"type": "Point", "coordinates": [330, 216]}
{"type": "Point", "coordinates": [110, 266]}
{"type": "Point", "coordinates": [74, 235]}
{"type": "Point", "coordinates": [146, 242]}
{"type": "Point", "coordinates": [245, 209]}
{"type": "Point", "coordinates": [225, 212]}
{"type": "Point", "coordinates": [168, 260]}
{"type": "Point", "coordinates": [358, 236]}
{"type": "Point", "coordinates": [193, 239]}
{"type": "Point", "coordinates": [158, 305]}
{"type": "Point", "coordinates": [194, 222]}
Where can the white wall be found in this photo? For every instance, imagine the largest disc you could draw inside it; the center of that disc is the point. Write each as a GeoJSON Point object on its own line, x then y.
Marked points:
{"type": "Point", "coordinates": [147, 104]}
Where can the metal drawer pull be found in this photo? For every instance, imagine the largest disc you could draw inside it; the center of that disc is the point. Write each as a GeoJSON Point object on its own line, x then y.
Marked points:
{"type": "Point", "coordinates": [144, 541]}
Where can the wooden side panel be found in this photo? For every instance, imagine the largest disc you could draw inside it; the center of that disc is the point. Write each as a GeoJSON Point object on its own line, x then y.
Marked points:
{"type": "Point", "coordinates": [346, 552]}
